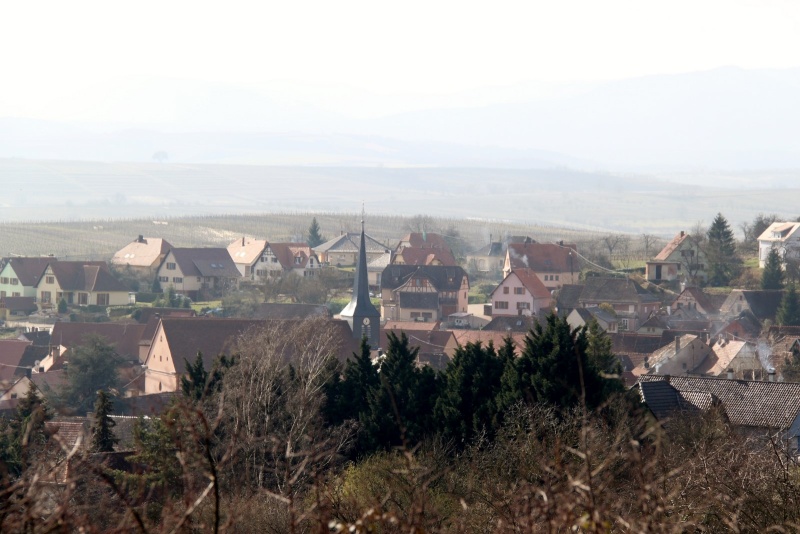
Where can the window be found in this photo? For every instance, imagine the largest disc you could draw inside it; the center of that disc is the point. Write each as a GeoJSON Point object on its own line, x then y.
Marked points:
{"type": "Point", "coordinates": [556, 278]}
{"type": "Point", "coordinates": [163, 278]}
{"type": "Point", "coordinates": [501, 305]}
{"type": "Point", "coordinates": [519, 290]}
{"type": "Point", "coordinates": [505, 290]}
{"type": "Point", "coordinates": [2, 294]}
{"type": "Point", "coordinates": [171, 266]}
{"type": "Point", "coordinates": [298, 260]}
{"type": "Point", "coordinates": [199, 279]}
{"type": "Point", "coordinates": [46, 297]}
{"type": "Point", "coordinates": [48, 279]}
{"type": "Point", "coordinates": [102, 299]}
{"type": "Point", "coordinates": [14, 281]}
{"type": "Point", "coordinates": [16, 294]}
{"type": "Point", "coordinates": [83, 299]}
{"type": "Point", "coordinates": [177, 279]}
{"type": "Point", "coordinates": [4, 280]}
{"type": "Point", "coordinates": [623, 324]}
{"type": "Point", "coordinates": [523, 305]}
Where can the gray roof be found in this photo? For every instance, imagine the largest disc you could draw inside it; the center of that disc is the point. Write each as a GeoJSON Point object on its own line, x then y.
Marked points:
{"type": "Point", "coordinates": [602, 289]}
{"type": "Point", "coordinates": [29, 270]}
{"type": "Point", "coordinates": [568, 296]}
{"type": "Point", "coordinates": [752, 403]}
{"type": "Point", "coordinates": [197, 261]}
{"type": "Point", "coordinates": [274, 310]}
{"type": "Point", "coordinates": [444, 278]}
{"type": "Point", "coordinates": [349, 242]}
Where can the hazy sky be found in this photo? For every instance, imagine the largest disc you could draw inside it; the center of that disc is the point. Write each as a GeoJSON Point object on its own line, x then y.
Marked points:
{"type": "Point", "coordinates": [59, 59]}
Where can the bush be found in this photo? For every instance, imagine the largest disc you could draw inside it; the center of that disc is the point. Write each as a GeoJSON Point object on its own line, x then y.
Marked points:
{"type": "Point", "coordinates": [147, 297]}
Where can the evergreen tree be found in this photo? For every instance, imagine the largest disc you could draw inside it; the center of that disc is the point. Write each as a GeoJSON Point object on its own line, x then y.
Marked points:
{"type": "Point", "coordinates": [772, 276]}
{"type": "Point", "coordinates": [199, 383]}
{"type": "Point", "coordinates": [555, 367]}
{"type": "Point", "coordinates": [62, 306]}
{"type": "Point", "coordinates": [789, 311]}
{"type": "Point", "coordinates": [724, 264]}
{"type": "Point", "coordinates": [314, 236]}
{"type": "Point", "coordinates": [27, 431]}
{"type": "Point", "coordinates": [359, 384]}
{"type": "Point", "coordinates": [156, 287]}
{"type": "Point", "coordinates": [92, 366]}
{"type": "Point", "coordinates": [466, 406]}
{"type": "Point", "coordinates": [401, 405]}
{"type": "Point", "coordinates": [103, 439]}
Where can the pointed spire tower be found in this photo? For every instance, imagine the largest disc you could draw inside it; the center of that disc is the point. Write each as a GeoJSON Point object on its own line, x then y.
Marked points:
{"type": "Point", "coordinates": [363, 318]}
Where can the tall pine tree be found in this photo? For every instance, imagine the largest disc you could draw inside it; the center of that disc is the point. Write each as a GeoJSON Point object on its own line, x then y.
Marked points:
{"type": "Point", "coordinates": [314, 236]}
{"type": "Point", "coordinates": [103, 438]}
{"type": "Point", "coordinates": [723, 263]}
{"type": "Point", "coordinates": [789, 311]}
{"type": "Point", "coordinates": [772, 276]}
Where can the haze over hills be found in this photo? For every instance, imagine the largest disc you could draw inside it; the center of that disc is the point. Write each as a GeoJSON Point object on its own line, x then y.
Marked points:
{"type": "Point", "coordinates": [726, 119]}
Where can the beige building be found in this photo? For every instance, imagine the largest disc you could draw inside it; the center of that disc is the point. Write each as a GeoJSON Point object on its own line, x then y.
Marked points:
{"type": "Point", "coordinates": [80, 283]}
{"type": "Point", "coordinates": [198, 272]}
{"type": "Point", "coordinates": [423, 293]}
{"type": "Point", "coordinates": [143, 255]}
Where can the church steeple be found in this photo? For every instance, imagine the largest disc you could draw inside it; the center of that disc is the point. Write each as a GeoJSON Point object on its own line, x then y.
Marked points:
{"type": "Point", "coordinates": [360, 314]}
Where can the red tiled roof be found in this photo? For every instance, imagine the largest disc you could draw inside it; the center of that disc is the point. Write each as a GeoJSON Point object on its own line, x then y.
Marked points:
{"type": "Point", "coordinates": [672, 246]}
{"type": "Point", "coordinates": [532, 283]}
{"type": "Point", "coordinates": [124, 336]}
{"type": "Point", "coordinates": [543, 257]}
{"type": "Point", "coordinates": [287, 252]}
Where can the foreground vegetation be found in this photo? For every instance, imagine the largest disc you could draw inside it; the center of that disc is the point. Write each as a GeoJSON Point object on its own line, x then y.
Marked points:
{"type": "Point", "coordinates": [544, 442]}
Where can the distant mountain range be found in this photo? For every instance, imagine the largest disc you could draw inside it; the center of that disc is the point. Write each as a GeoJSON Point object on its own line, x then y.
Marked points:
{"type": "Point", "coordinates": [726, 119]}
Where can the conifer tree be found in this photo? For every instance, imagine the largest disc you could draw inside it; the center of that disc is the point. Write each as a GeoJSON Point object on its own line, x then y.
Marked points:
{"type": "Point", "coordinates": [314, 236]}
{"type": "Point", "coordinates": [103, 438]}
{"type": "Point", "coordinates": [360, 382]}
{"type": "Point", "coordinates": [789, 311]}
{"type": "Point", "coordinates": [27, 431]}
{"type": "Point", "coordinates": [724, 264]}
{"type": "Point", "coordinates": [772, 276]}
{"type": "Point", "coordinates": [199, 383]}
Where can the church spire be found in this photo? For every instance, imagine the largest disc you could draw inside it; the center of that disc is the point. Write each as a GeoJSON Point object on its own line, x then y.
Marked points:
{"type": "Point", "coordinates": [361, 315]}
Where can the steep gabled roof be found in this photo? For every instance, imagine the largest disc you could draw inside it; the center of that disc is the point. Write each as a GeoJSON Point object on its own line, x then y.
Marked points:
{"type": "Point", "coordinates": [721, 357]}
{"type": "Point", "coordinates": [746, 402]}
{"type": "Point", "coordinates": [568, 297]}
{"type": "Point", "coordinates": [423, 240]}
{"type": "Point", "coordinates": [532, 283]}
{"type": "Point", "coordinates": [85, 276]}
{"type": "Point", "coordinates": [287, 254]}
{"type": "Point", "coordinates": [124, 336]}
{"type": "Point", "coordinates": [349, 243]}
{"type": "Point", "coordinates": [215, 262]}
{"type": "Point", "coordinates": [784, 229]}
{"type": "Point", "coordinates": [444, 278]}
{"type": "Point", "coordinates": [543, 257]}
{"type": "Point", "coordinates": [246, 251]}
{"type": "Point", "coordinates": [602, 289]}
{"type": "Point", "coordinates": [763, 303]}
{"type": "Point", "coordinates": [708, 303]}
{"type": "Point", "coordinates": [142, 252]}
{"type": "Point", "coordinates": [427, 256]}
{"type": "Point", "coordinates": [672, 246]}
{"type": "Point", "coordinates": [19, 304]}
{"type": "Point", "coordinates": [11, 353]}
{"type": "Point", "coordinates": [29, 270]}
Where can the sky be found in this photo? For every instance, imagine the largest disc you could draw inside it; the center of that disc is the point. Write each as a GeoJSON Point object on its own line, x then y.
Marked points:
{"type": "Point", "coordinates": [67, 60]}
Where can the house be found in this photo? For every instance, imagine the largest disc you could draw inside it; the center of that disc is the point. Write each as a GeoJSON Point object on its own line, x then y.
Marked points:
{"type": "Point", "coordinates": [630, 301]}
{"type": "Point", "coordinates": [258, 259]}
{"type": "Point", "coordinates": [655, 325]}
{"type": "Point", "coordinates": [555, 264]}
{"type": "Point", "coordinates": [85, 283]}
{"type": "Point", "coordinates": [732, 356]}
{"type": "Point", "coordinates": [423, 248]}
{"type": "Point", "coordinates": [12, 308]}
{"type": "Point", "coordinates": [423, 293]}
{"type": "Point", "coordinates": [197, 272]}
{"type": "Point", "coordinates": [694, 298]}
{"type": "Point", "coordinates": [125, 337]}
{"type": "Point", "coordinates": [18, 276]}
{"type": "Point", "coordinates": [487, 259]}
{"type": "Point", "coordinates": [683, 356]}
{"type": "Point", "coordinates": [375, 268]}
{"type": "Point", "coordinates": [142, 256]}
{"type": "Point", "coordinates": [580, 317]}
{"type": "Point", "coordinates": [342, 251]}
{"type": "Point", "coordinates": [681, 259]}
{"type": "Point", "coordinates": [17, 359]}
{"type": "Point", "coordinates": [763, 304]}
{"type": "Point", "coordinates": [177, 341]}
{"type": "Point", "coordinates": [568, 298]}
{"type": "Point", "coordinates": [783, 236]}
{"type": "Point", "coordinates": [632, 349]}
{"type": "Point", "coordinates": [513, 323]}
{"type": "Point", "coordinates": [757, 407]}
{"type": "Point", "coordinates": [521, 293]}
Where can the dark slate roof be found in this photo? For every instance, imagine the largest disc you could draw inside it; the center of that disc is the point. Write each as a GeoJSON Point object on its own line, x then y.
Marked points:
{"type": "Point", "coordinates": [215, 336]}
{"type": "Point", "coordinates": [19, 304]}
{"type": "Point", "coordinates": [146, 313]}
{"type": "Point", "coordinates": [273, 310]}
{"type": "Point", "coordinates": [11, 352]}
{"type": "Point", "coordinates": [543, 257]}
{"type": "Point", "coordinates": [40, 338]}
{"type": "Point", "coordinates": [360, 304]}
{"type": "Point", "coordinates": [349, 242]}
{"type": "Point", "coordinates": [196, 261]}
{"type": "Point", "coordinates": [762, 303]}
{"type": "Point", "coordinates": [493, 249]}
{"type": "Point", "coordinates": [85, 276]}
{"type": "Point", "coordinates": [513, 323]}
{"type": "Point", "coordinates": [708, 303]}
{"type": "Point", "coordinates": [444, 278]}
{"type": "Point", "coordinates": [567, 298]}
{"type": "Point", "coordinates": [124, 336]}
{"type": "Point", "coordinates": [602, 289]}
{"type": "Point", "coordinates": [746, 402]}
{"type": "Point", "coordinates": [29, 270]}
{"type": "Point", "coordinates": [425, 301]}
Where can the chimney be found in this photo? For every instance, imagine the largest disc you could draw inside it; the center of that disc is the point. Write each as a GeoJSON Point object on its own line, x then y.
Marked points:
{"type": "Point", "coordinates": [730, 374]}
{"type": "Point", "coordinates": [647, 362]}
{"type": "Point", "coordinates": [141, 238]}
{"type": "Point", "coordinates": [667, 378]}
{"type": "Point", "coordinates": [242, 240]}
{"type": "Point", "coordinates": [682, 233]}
{"type": "Point", "coordinates": [771, 375]}
{"type": "Point", "coordinates": [677, 344]}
